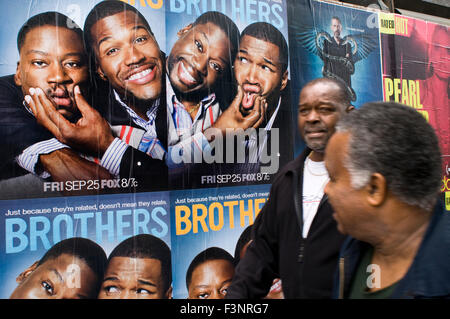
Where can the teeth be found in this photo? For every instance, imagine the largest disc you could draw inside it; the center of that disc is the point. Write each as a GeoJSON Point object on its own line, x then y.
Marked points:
{"type": "Point", "coordinates": [187, 75]}
{"type": "Point", "coordinates": [139, 75]}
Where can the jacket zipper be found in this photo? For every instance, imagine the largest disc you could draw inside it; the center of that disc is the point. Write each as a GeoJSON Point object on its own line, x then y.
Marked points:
{"type": "Point", "coordinates": [341, 277]}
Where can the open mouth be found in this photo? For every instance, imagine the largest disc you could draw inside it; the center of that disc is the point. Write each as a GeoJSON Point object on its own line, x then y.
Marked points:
{"type": "Point", "coordinates": [187, 74]}
{"type": "Point", "coordinates": [142, 75]}
{"type": "Point", "coordinates": [250, 94]}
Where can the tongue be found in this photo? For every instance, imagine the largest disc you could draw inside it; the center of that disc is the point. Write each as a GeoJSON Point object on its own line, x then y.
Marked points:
{"type": "Point", "coordinates": [248, 100]}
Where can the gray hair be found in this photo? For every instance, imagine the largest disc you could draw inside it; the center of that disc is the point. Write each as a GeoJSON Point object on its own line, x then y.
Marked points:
{"type": "Point", "coordinates": [397, 142]}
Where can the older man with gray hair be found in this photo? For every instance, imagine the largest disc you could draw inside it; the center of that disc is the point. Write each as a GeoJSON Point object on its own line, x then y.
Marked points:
{"type": "Point", "coordinates": [385, 172]}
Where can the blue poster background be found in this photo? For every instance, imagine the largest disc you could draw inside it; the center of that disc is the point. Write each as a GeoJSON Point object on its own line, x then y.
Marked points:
{"type": "Point", "coordinates": [29, 227]}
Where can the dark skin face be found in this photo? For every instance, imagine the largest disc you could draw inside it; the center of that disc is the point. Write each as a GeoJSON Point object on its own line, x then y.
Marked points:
{"type": "Point", "coordinates": [318, 112]}
{"type": "Point", "coordinates": [198, 59]}
{"type": "Point", "coordinates": [258, 71]}
{"type": "Point", "coordinates": [53, 59]}
{"type": "Point", "coordinates": [211, 279]}
{"type": "Point", "coordinates": [128, 56]}
{"type": "Point", "coordinates": [133, 278]}
{"type": "Point", "coordinates": [55, 279]}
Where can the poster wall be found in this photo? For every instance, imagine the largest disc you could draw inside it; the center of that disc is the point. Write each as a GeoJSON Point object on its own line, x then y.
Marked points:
{"type": "Point", "coordinates": [152, 130]}
{"type": "Point", "coordinates": [416, 73]}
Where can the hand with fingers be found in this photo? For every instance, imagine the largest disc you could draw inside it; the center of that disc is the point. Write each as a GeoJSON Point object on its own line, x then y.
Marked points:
{"type": "Point", "coordinates": [90, 134]}
{"type": "Point", "coordinates": [232, 118]}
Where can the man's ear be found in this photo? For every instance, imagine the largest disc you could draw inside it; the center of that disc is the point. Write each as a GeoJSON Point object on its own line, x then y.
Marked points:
{"type": "Point", "coordinates": [18, 75]}
{"type": "Point", "coordinates": [349, 108]}
{"type": "Point", "coordinates": [284, 80]}
{"type": "Point", "coordinates": [24, 274]}
{"type": "Point", "coordinates": [101, 74]}
{"type": "Point", "coordinates": [184, 30]}
{"type": "Point", "coordinates": [376, 189]}
{"type": "Point", "coordinates": [169, 293]}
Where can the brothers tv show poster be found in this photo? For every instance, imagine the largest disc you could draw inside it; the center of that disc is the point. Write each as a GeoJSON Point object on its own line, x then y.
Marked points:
{"type": "Point", "coordinates": [30, 227]}
{"type": "Point", "coordinates": [202, 93]}
{"type": "Point", "coordinates": [335, 41]}
{"type": "Point", "coordinates": [31, 154]}
{"type": "Point", "coordinates": [416, 73]}
{"type": "Point", "coordinates": [207, 224]}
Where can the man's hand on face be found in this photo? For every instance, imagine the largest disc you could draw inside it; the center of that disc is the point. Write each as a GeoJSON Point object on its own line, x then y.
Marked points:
{"type": "Point", "coordinates": [66, 165]}
{"type": "Point", "coordinates": [232, 117]}
{"type": "Point", "coordinates": [90, 134]}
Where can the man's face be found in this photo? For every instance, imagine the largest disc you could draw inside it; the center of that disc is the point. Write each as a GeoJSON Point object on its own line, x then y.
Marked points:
{"type": "Point", "coordinates": [258, 70]}
{"type": "Point", "coordinates": [318, 113]}
{"type": "Point", "coordinates": [128, 55]}
{"type": "Point", "coordinates": [336, 27]}
{"type": "Point", "coordinates": [63, 277]}
{"type": "Point", "coordinates": [347, 202]}
{"type": "Point", "coordinates": [133, 278]}
{"type": "Point", "coordinates": [198, 58]}
{"type": "Point", "coordinates": [53, 59]}
{"type": "Point", "coordinates": [211, 280]}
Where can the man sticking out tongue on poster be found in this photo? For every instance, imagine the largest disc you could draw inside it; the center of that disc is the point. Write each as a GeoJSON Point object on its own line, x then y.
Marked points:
{"type": "Point", "coordinates": [260, 69]}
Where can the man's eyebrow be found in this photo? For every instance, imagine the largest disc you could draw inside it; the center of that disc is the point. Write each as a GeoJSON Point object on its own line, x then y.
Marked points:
{"type": "Point", "coordinates": [201, 286]}
{"type": "Point", "coordinates": [205, 36]}
{"type": "Point", "coordinates": [60, 278]}
{"type": "Point", "coordinates": [136, 27]}
{"type": "Point", "coordinates": [140, 26]}
{"type": "Point", "coordinates": [111, 279]}
{"type": "Point", "coordinates": [37, 52]}
{"type": "Point", "coordinates": [103, 40]}
{"type": "Point", "coordinates": [74, 54]}
{"type": "Point", "coordinates": [145, 282]}
{"type": "Point", "coordinates": [269, 62]}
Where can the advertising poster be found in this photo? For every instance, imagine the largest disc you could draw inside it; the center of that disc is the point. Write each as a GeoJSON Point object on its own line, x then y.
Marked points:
{"type": "Point", "coordinates": [228, 97]}
{"type": "Point", "coordinates": [416, 73]}
{"type": "Point", "coordinates": [339, 42]}
{"type": "Point", "coordinates": [45, 57]}
{"type": "Point", "coordinates": [29, 228]}
{"type": "Point", "coordinates": [209, 223]}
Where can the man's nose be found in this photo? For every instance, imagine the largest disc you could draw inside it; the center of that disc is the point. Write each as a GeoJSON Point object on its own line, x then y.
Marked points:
{"type": "Point", "coordinates": [200, 62]}
{"type": "Point", "coordinates": [58, 74]}
{"type": "Point", "coordinates": [252, 74]}
{"type": "Point", "coordinates": [133, 56]}
{"type": "Point", "coordinates": [313, 116]}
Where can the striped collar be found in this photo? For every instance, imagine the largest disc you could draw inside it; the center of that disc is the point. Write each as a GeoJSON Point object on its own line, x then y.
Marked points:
{"type": "Point", "coordinates": [151, 112]}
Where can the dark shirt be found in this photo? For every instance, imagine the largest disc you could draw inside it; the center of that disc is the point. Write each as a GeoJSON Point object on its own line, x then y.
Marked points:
{"type": "Point", "coordinates": [18, 128]}
{"type": "Point", "coordinates": [337, 66]}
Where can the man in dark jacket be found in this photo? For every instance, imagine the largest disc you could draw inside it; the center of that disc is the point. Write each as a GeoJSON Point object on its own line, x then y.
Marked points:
{"type": "Point", "coordinates": [295, 236]}
{"type": "Point", "coordinates": [385, 173]}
